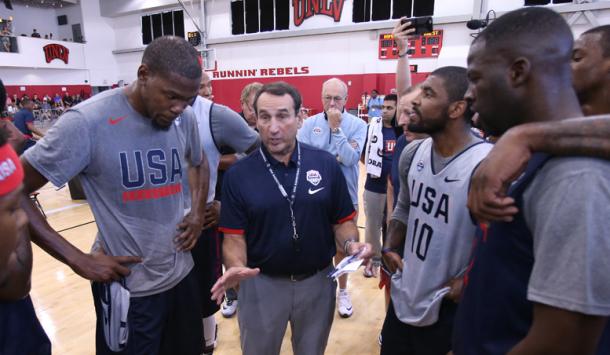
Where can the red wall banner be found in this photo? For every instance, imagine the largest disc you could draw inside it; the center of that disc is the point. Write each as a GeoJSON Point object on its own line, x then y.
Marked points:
{"type": "Point", "coordinates": [227, 91]}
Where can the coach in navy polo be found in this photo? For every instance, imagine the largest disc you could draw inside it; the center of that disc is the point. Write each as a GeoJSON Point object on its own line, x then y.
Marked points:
{"type": "Point", "coordinates": [286, 209]}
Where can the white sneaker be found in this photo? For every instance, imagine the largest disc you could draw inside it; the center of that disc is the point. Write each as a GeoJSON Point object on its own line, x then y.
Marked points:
{"type": "Point", "coordinates": [229, 307]}
{"type": "Point", "coordinates": [344, 305]}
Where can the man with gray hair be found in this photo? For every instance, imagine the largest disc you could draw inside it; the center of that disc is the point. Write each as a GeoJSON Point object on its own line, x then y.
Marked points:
{"type": "Point", "coordinates": [246, 101]}
{"type": "Point", "coordinates": [341, 134]}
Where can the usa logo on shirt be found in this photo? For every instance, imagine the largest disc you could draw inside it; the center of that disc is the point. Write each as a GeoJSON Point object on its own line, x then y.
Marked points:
{"type": "Point", "coordinates": [314, 177]}
{"type": "Point", "coordinates": [420, 165]}
{"type": "Point", "coordinates": [317, 130]}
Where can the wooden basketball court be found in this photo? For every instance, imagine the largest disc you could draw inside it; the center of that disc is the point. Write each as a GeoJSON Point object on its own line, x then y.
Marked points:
{"type": "Point", "coordinates": [65, 308]}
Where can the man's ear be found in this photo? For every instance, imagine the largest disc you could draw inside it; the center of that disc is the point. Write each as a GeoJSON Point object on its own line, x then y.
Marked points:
{"type": "Point", "coordinates": [143, 74]}
{"type": "Point", "coordinates": [457, 109]}
{"type": "Point", "coordinates": [519, 71]}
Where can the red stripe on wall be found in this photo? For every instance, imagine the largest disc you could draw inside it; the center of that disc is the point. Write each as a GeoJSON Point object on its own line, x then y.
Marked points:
{"type": "Point", "coordinates": [50, 90]}
{"type": "Point", "coordinates": [227, 91]}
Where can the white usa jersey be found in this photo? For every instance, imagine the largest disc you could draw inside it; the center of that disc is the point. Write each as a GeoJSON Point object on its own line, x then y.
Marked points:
{"type": "Point", "coordinates": [439, 232]}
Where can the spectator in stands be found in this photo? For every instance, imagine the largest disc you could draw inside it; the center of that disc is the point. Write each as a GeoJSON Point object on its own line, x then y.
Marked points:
{"type": "Point", "coordinates": [78, 99]}
{"type": "Point", "coordinates": [35, 34]}
{"type": "Point", "coordinates": [45, 109]}
{"type": "Point", "coordinates": [46, 36]}
{"type": "Point", "coordinates": [50, 36]}
{"type": "Point", "coordinates": [67, 99]}
{"type": "Point", "coordinates": [57, 102]}
{"type": "Point", "coordinates": [16, 100]}
{"type": "Point", "coordinates": [36, 102]}
{"type": "Point", "coordinates": [24, 121]}
{"type": "Point", "coordinates": [375, 104]}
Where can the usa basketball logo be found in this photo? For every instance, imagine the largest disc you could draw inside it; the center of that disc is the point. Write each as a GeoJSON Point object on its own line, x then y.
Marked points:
{"type": "Point", "coordinates": [314, 177]}
{"type": "Point", "coordinates": [420, 165]}
{"type": "Point", "coordinates": [317, 130]}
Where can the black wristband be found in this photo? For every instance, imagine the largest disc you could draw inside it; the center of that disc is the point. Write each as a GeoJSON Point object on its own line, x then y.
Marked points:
{"type": "Point", "coordinates": [403, 55]}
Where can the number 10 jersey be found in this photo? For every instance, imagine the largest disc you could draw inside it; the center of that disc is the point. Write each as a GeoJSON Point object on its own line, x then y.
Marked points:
{"type": "Point", "coordinates": [439, 232]}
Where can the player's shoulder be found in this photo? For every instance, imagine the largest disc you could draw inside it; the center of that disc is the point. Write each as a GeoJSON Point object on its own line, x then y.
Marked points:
{"type": "Point", "coordinates": [579, 168]}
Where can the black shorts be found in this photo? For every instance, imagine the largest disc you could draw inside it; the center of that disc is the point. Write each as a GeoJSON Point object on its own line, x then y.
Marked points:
{"type": "Point", "coordinates": [165, 323]}
{"type": "Point", "coordinates": [400, 338]}
{"type": "Point", "coordinates": [208, 267]}
{"type": "Point", "coordinates": [20, 330]}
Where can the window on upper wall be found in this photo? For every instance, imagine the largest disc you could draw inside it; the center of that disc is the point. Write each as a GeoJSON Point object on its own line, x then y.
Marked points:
{"type": "Point", "coordinates": [546, 2]}
{"type": "Point", "coordinates": [378, 10]}
{"type": "Point", "coordinates": [169, 23]}
{"type": "Point", "coordinates": [253, 16]}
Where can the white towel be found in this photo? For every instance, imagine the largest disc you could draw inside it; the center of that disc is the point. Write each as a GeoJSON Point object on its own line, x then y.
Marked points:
{"type": "Point", "coordinates": [374, 149]}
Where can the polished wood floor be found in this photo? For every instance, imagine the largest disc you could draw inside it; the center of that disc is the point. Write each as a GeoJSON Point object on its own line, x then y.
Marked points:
{"type": "Point", "coordinates": [64, 305]}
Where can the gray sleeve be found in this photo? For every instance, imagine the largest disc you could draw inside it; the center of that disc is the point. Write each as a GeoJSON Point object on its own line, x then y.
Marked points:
{"type": "Point", "coordinates": [401, 211]}
{"type": "Point", "coordinates": [193, 142]}
{"type": "Point", "coordinates": [231, 130]}
{"type": "Point", "coordinates": [567, 208]}
{"type": "Point", "coordinates": [65, 150]}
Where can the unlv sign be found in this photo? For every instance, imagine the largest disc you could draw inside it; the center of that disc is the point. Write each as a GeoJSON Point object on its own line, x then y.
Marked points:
{"type": "Point", "coordinates": [56, 51]}
{"type": "Point", "coordinates": [304, 9]}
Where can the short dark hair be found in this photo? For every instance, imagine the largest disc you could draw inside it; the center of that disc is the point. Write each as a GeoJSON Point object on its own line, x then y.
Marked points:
{"type": "Point", "coordinates": [280, 88]}
{"type": "Point", "coordinates": [171, 54]}
{"type": "Point", "coordinates": [391, 97]}
{"type": "Point", "coordinates": [519, 32]}
{"type": "Point", "coordinates": [604, 31]}
{"type": "Point", "coordinates": [455, 81]}
{"type": "Point", "coordinates": [25, 101]}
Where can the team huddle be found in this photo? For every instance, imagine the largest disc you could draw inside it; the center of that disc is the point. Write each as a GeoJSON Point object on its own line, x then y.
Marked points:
{"type": "Point", "coordinates": [491, 248]}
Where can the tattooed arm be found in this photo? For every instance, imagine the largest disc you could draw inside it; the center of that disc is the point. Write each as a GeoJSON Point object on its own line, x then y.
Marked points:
{"type": "Point", "coordinates": [487, 199]}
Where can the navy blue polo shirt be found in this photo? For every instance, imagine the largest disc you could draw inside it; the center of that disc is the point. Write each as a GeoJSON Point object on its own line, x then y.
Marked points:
{"type": "Point", "coordinates": [252, 205]}
{"type": "Point", "coordinates": [494, 313]}
{"type": "Point", "coordinates": [380, 184]}
{"type": "Point", "coordinates": [21, 119]}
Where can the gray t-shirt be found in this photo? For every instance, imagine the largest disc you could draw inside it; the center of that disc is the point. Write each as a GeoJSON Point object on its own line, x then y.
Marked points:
{"type": "Point", "coordinates": [401, 211]}
{"type": "Point", "coordinates": [567, 209]}
{"type": "Point", "coordinates": [230, 130]}
{"type": "Point", "coordinates": [132, 174]}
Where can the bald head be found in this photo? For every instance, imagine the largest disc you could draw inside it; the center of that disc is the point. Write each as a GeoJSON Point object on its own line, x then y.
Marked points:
{"type": "Point", "coordinates": [539, 34]}
{"type": "Point", "coordinates": [205, 87]}
{"type": "Point", "coordinates": [334, 94]}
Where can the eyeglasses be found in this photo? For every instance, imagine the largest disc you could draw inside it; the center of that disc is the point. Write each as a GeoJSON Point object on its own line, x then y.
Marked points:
{"type": "Point", "coordinates": [331, 98]}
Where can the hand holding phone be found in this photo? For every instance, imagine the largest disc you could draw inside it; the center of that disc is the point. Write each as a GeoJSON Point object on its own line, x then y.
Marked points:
{"type": "Point", "coordinates": [421, 24]}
